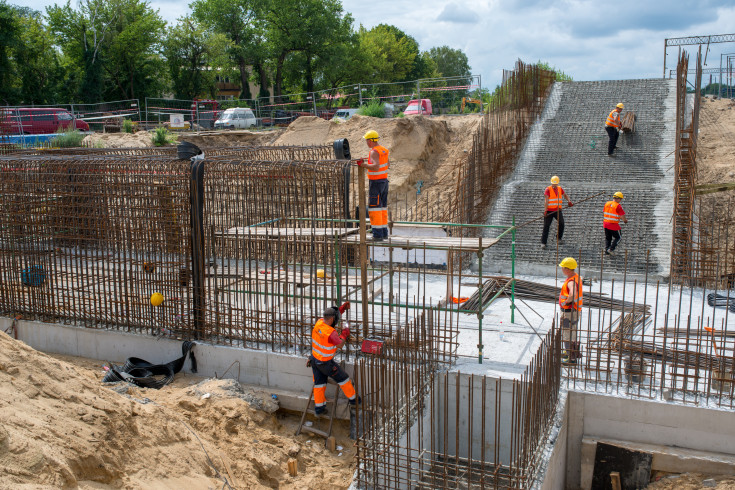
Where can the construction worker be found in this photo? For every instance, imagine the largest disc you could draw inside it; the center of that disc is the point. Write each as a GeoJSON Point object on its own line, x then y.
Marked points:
{"type": "Point", "coordinates": [377, 169]}
{"type": "Point", "coordinates": [613, 126]}
{"type": "Point", "coordinates": [324, 344]}
{"type": "Point", "coordinates": [611, 216]}
{"type": "Point", "coordinates": [552, 209]}
{"type": "Point", "coordinates": [570, 302]}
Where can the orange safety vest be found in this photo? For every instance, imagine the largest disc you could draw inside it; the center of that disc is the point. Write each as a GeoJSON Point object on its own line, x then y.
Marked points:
{"type": "Point", "coordinates": [613, 119]}
{"type": "Point", "coordinates": [321, 349]}
{"type": "Point", "coordinates": [577, 305]}
{"type": "Point", "coordinates": [555, 201]}
{"type": "Point", "coordinates": [610, 214]}
{"type": "Point", "coordinates": [382, 172]}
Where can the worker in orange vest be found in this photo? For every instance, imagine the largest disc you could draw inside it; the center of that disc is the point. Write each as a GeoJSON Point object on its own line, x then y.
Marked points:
{"type": "Point", "coordinates": [570, 302]}
{"type": "Point", "coordinates": [611, 215]}
{"type": "Point", "coordinates": [553, 201]}
{"type": "Point", "coordinates": [613, 126]}
{"type": "Point", "coordinates": [377, 169]}
{"type": "Point", "coordinates": [324, 344]}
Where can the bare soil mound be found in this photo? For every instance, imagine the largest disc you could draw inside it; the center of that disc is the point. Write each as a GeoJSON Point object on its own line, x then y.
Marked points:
{"type": "Point", "coordinates": [141, 139]}
{"type": "Point", "coordinates": [232, 138]}
{"type": "Point", "coordinates": [63, 429]}
{"type": "Point", "coordinates": [421, 148]}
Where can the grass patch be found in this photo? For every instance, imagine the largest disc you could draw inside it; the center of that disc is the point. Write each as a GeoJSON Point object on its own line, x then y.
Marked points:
{"type": "Point", "coordinates": [372, 109]}
{"type": "Point", "coordinates": [68, 138]}
{"type": "Point", "coordinates": [128, 126]}
{"type": "Point", "coordinates": [161, 137]}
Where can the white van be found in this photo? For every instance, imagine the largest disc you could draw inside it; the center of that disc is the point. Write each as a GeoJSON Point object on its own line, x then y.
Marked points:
{"type": "Point", "coordinates": [236, 118]}
{"type": "Point", "coordinates": [343, 114]}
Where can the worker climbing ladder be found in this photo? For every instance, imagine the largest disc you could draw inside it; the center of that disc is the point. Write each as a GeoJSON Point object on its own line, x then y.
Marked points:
{"type": "Point", "coordinates": [329, 441]}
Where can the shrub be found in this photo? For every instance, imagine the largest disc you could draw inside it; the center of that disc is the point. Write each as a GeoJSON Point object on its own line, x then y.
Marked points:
{"type": "Point", "coordinates": [162, 137]}
{"type": "Point", "coordinates": [372, 109]}
{"type": "Point", "coordinates": [127, 126]}
{"type": "Point", "coordinates": [400, 114]}
{"type": "Point", "coordinates": [68, 138]}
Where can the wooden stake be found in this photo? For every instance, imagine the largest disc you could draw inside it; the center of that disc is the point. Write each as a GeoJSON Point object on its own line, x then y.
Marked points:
{"type": "Point", "coordinates": [331, 444]}
{"type": "Point", "coordinates": [615, 480]}
{"type": "Point", "coordinates": [293, 467]}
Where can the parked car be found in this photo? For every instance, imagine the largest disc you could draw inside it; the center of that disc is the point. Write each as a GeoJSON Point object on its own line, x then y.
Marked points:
{"type": "Point", "coordinates": [236, 118]}
{"type": "Point", "coordinates": [38, 120]}
{"type": "Point", "coordinates": [416, 106]}
{"type": "Point", "coordinates": [344, 114]}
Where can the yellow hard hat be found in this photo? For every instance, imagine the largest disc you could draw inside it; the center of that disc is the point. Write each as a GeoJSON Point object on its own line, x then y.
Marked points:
{"type": "Point", "coordinates": [618, 194]}
{"type": "Point", "coordinates": [156, 298]}
{"type": "Point", "coordinates": [555, 179]}
{"type": "Point", "coordinates": [620, 106]}
{"type": "Point", "coordinates": [569, 263]}
{"type": "Point", "coordinates": [320, 273]}
{"type": "Point", "coordinates": [371, 135]}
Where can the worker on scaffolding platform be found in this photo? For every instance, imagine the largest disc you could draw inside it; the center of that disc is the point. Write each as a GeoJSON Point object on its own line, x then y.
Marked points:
{"type": "Point", "coordinates": [377, 169]}
{"type": "Point", "coordinates": [612, 213]}
{"type": "Point", "coordinates": [324, 344]}
{"type": "Point", "coordinates": [613, 126]}
{"type": "Point", "coordinates": [553, 201]}
{"type": "Point", "coordinates": [570, 301]}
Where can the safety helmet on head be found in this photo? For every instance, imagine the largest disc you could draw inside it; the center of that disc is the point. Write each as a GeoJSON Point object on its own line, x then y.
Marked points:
{"type": "Point", "coordinates": [620, 106]}
{"type": "Point", "coordinates": [371, 135]}
{"type": "Point", "coordinates": [618, 195]}
{"type": "Point", "coordinates": [555, 179]}
{"type": "Point", "coordinates": [569, 263]}
{"type": "Point", "coordinates": [332, 312]}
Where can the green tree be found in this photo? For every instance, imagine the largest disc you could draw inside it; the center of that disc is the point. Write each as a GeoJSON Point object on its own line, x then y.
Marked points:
{"type": "Point", "coordinates": [9, 32]}
{"type": "Point", "coordinates": [390, 53]}
{"type": "Point", "coordinates": [241, 21]}
{"type": "Point", "coordinates": [195, 56]}
{"type": "Point", "coordinates": [560, 75]}
{"type": "Point", "coordinates": [450, 62]}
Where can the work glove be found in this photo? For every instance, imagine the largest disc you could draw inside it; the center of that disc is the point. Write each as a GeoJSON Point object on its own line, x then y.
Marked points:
{"type": "Point", "coordinates": [571, 204]}
{"type": "Point", "coordinates": [345, 306]}
{"type": "Point", "coordinates": [359, 162]}
{"type": "Point", "coordinates": [345, 333]}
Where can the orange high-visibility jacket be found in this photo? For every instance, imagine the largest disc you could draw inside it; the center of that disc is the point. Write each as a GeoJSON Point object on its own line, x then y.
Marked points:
{"type": "Point", "coordinates": [576, 305]}
{"type": "Point", "coordinates": [610, 214]}
{"type": "Point", "coordinates": [382, 172]}
{"type": "Point", "coordinates": [321, 348]}
{"type": "Point", "coordinates": [613, 119]}
{"type": "Point", "coordinates": [555, 200]}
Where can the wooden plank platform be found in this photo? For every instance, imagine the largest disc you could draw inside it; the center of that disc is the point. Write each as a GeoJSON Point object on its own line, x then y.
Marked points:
{"type": "Point", "coordinates": [433, 243]}
{"type": "Point", "coordinates": [263, 231]}
{"type": "Point", "coordinates": [300, 280]}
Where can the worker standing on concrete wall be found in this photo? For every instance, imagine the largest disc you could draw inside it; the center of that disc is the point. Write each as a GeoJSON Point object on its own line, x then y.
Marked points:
{"type": "Point", "coordinates": [324, 344]}
{"type": "Point", "coordinates": [570, 301]}
{"type": "Point", "coordinates": [377, 168]}
{"type": "Point", "coordinates": [611, 216]}
{"type": "Point", "coordinates": [553, 201]}
{"type": "Point", "coordinates": [612, 126]}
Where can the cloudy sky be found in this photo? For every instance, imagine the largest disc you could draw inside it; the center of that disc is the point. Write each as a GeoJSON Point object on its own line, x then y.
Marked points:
{"type": "Point", "coordinates": [587, 39]}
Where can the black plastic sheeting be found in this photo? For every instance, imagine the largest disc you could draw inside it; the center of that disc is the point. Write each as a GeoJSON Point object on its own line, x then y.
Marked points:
{"type": "Point", "coordinates": [146, 375]}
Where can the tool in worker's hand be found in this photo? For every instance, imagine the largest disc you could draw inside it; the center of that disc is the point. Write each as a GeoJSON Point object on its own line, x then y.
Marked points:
{"type": "Point", "coordinates": [569, 206]}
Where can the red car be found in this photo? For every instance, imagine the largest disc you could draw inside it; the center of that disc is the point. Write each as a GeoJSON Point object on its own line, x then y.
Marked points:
{"type": "Point", "coordinates": [38, 120]}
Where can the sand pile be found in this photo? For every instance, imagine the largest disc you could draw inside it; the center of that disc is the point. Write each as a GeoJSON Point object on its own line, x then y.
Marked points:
{"type": "Point", "coordinates": [232, 138]}
{"type": "Point", "coordinates": [421, 148]}
{"type": "Point", "coordinates": [62, 428]}
{"type": "Point", "coordinates": [140, 139]}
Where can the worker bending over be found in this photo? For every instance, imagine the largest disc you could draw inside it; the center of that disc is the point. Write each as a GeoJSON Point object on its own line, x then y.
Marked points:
{"type": "Point", "coordinates": [324, 344]}
{"type": "Point", "coordinates": [553, 201]}
{"type": "Point", "coordinates": [377, 169]}
{"type": "Point", "coordinates": [612, 126]}
{"type": "Point", "coordinates": [611, 216]}
{"type": "Point", "coordinates": [570, 301]}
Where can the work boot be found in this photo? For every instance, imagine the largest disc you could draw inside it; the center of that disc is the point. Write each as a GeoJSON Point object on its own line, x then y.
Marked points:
{"type": "Point", "coordinates": [356, 401]}
{"type": "Point", "coordinates": [611, 155]}
{"type": "Point", "coordinates": [561, 242]}
{"type": "Point", "coordinates": [564, 357]}
{"type": "Point", "coordinates": [543, 246]}
{"type": "Point", "coordinates": [607, 251]}
{"type": "Point", "coordinates": [320, 411]}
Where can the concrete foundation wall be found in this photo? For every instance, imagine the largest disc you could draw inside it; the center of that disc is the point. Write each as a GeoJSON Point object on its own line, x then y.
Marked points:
{"type": "Point", "coordinates": [602, 417]}
{"type": "Point", "coordinates": [556, 467]}
{"type": "Point", "coordinates": [285, 375]}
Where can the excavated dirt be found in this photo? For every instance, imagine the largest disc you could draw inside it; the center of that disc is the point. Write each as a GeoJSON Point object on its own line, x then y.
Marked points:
{"type": "Point", "coordinates": [693, 481]}
{"type": "Point", "coordinates": [421, 148]}
{"type": "Point", "coordinates": [142, 139]}
{"type": "Point", "coordinates": [63, 429]}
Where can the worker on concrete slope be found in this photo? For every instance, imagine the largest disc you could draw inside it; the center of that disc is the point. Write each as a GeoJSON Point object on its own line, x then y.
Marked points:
{"type": "Point", "coordinates": [611, 216]}
{"type": "Point", "coordinates": [324, 344]}
{"type": "Point", "coordinates": [613, 126]}
{"type": "Point", "coordinates": [570, 301]}
{"type": "Point", "coordinates": [553, 201]}
{"type": "Point", "coordinates": [377, 169]}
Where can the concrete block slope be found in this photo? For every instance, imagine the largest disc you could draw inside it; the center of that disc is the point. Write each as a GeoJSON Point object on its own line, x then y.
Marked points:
{"type": "Point", "coordinates": [570, 141]}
